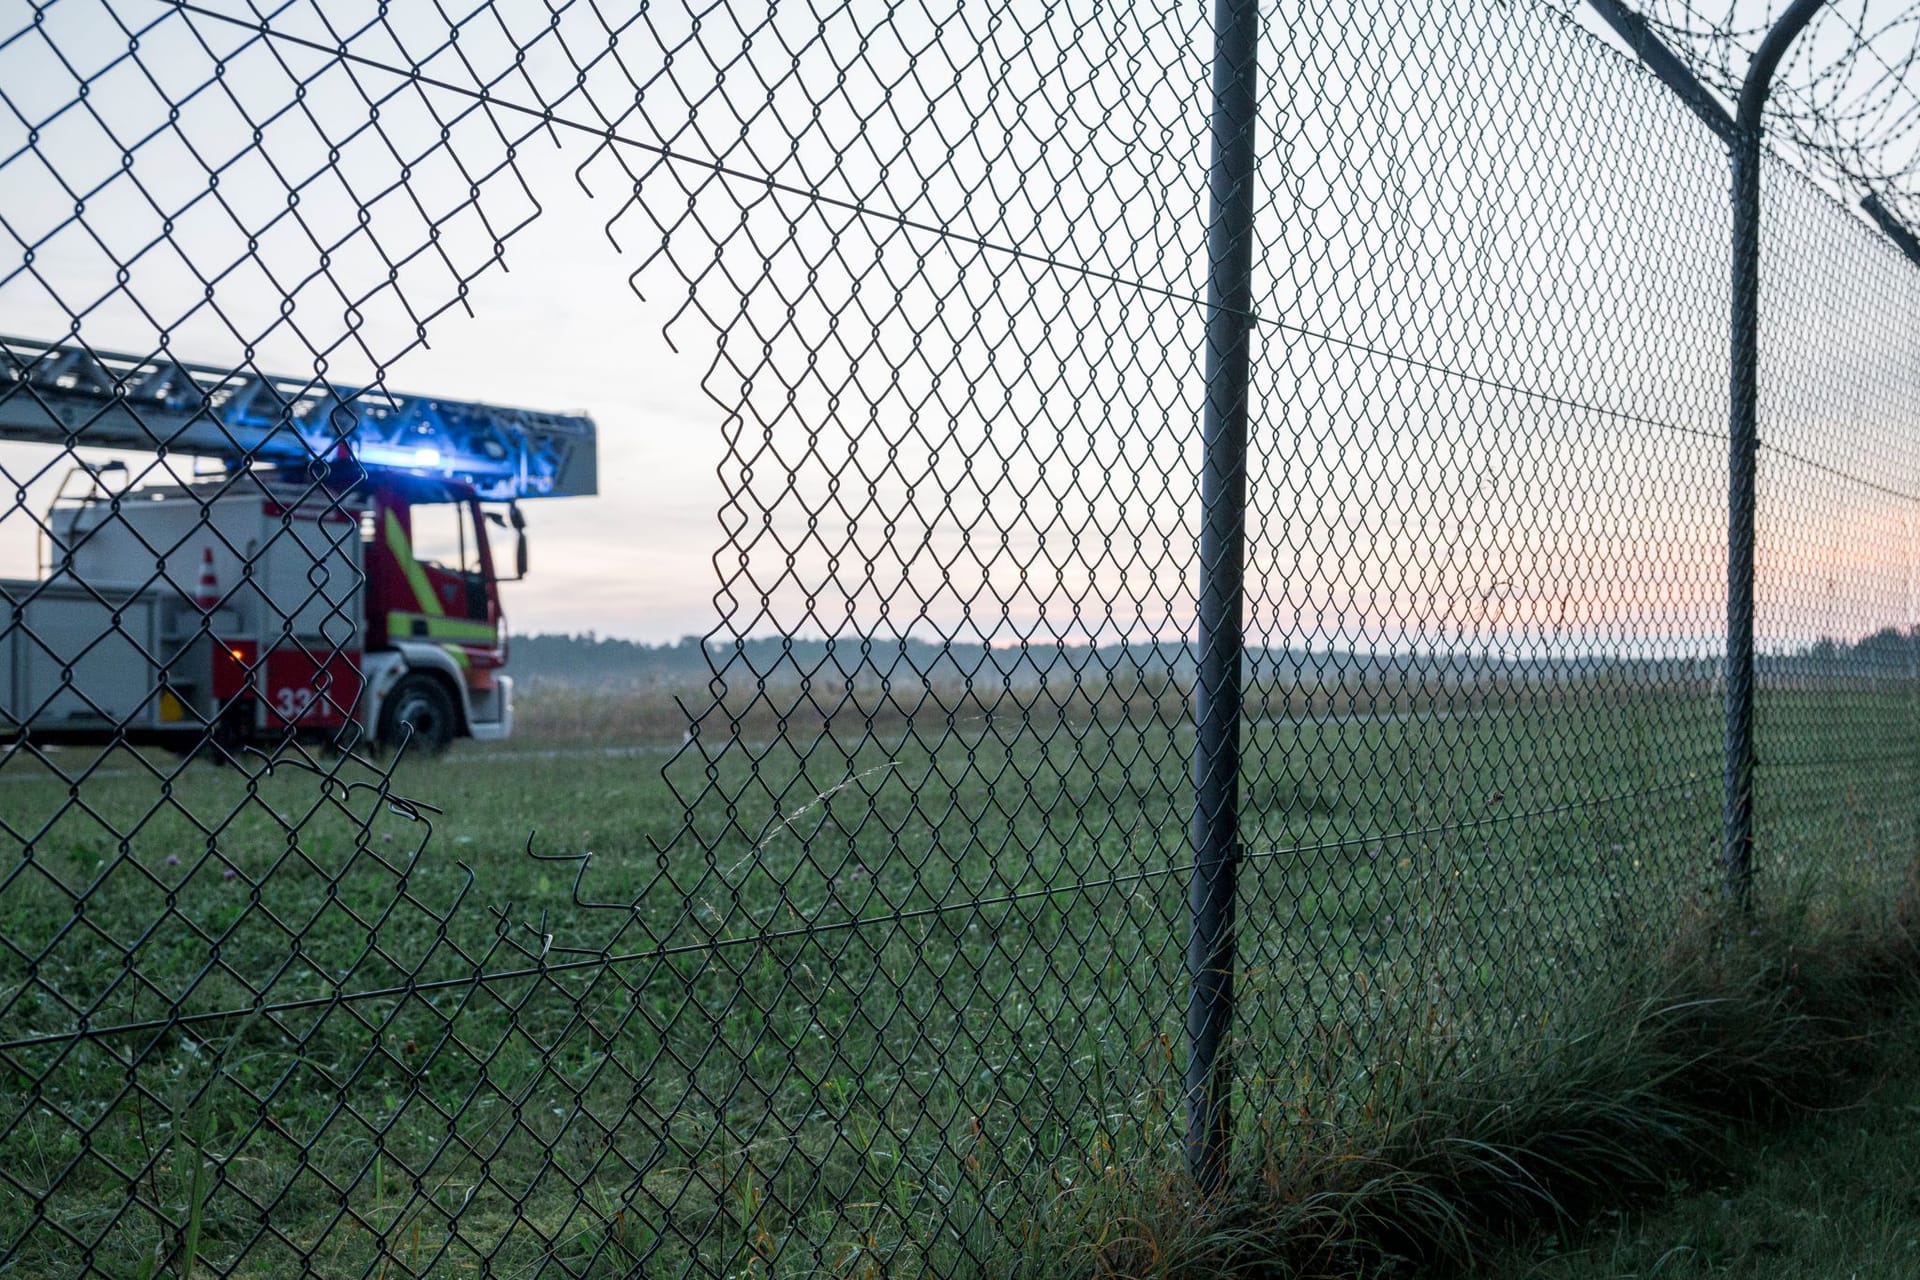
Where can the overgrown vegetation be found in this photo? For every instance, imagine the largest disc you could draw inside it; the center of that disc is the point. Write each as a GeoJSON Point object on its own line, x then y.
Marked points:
{"type": "Point", "coordinates": [1725, 1030]}
{"type": "Point", "coordinates": [1833, 1196]}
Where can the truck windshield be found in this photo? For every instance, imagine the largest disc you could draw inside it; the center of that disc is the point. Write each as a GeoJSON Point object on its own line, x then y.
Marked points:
{"type": "Point", "coordinates": [444, 536]}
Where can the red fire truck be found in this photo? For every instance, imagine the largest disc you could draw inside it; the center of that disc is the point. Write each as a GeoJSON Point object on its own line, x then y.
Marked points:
{"type": "Point", "coordinates": [332, 578]}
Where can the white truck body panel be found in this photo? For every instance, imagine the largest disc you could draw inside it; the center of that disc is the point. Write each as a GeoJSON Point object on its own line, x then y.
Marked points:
{"type": "Point", "coordinates": [490, 713]}
{"type": "Point", "coordinates": [79, 655]}
{"type": "Point", "coordinates": [295, 578]}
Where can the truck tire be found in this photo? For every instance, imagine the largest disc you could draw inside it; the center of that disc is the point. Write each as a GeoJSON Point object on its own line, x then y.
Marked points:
{"type": "Point", "coordinates": [420, 703]}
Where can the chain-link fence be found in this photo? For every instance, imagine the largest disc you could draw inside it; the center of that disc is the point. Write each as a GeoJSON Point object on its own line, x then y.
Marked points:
{"type": "Point", "coordinates": [1221, 612]}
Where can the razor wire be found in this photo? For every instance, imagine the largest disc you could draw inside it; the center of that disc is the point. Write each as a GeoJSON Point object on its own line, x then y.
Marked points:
{"type": "Point", "coordinates": [1843, 106]}
{"type": "Point", "coordinates": [889, 974]}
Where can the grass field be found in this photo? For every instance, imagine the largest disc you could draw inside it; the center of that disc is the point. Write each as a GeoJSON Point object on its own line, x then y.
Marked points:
{"type": "Point", "coordinates": [864, 1011]}
{"type": "Point", "coordinates": [1832, 1196]}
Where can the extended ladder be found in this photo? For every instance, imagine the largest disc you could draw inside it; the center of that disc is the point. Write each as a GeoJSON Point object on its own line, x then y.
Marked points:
{"type": "Point", "coordinates": [76, 395]}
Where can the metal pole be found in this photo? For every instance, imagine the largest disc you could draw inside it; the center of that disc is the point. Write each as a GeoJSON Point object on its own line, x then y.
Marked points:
{"type": "Point", "coordinates": [1890, 226]}
{"type": "Point", "coordinates": [1223, 503]}
{"type": "Point", "coordinates": [1744, 447]}
{"type": "Point", "coordinates": [1664, 63]}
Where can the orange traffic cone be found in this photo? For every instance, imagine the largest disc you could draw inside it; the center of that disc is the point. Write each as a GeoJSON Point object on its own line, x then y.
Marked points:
{"type": "Point", "coordinates": [207, 593]}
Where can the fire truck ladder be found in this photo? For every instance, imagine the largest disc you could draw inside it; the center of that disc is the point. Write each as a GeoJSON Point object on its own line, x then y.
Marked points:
{"type": "Point", "coordinates": [74, 395]}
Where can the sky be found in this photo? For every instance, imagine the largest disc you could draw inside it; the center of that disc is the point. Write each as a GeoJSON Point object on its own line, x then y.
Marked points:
{"type": "Point", "coordinates": [559, 331]}
{"type": "Point", "coordinates": [560, 328]}
{"type": "Point", "coordinates": [1486, 389]}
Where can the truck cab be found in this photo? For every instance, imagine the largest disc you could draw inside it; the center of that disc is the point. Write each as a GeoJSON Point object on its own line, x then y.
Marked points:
{"type": "Point", "coordinates": [433, 608]}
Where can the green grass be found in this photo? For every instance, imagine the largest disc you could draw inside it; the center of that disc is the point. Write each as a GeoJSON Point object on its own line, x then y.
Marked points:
{"type": "Point", "coordinates": [897, 1004]}
{"type": "Point", "coordinates": [1834, 1195]}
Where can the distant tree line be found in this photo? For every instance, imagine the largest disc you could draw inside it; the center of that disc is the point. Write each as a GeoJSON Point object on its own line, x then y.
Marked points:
{"type": "Point", "coordinates": [1887, 652]}
{"type": "Point", "coordinates": [588, 659]}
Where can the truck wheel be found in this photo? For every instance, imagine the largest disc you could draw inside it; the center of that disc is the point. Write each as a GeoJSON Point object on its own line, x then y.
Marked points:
{"type": "Point", "coordinates": [420, 703]}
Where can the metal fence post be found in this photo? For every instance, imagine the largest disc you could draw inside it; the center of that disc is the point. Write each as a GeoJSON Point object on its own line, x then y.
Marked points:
{"type": "Point", "coordinates": [1743, 447]}
{"type": "Point", "coordinates": [1223, 501]}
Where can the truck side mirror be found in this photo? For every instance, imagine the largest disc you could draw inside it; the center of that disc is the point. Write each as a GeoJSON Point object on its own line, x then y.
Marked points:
{"type": "Point", "coordinates": [519, 523]}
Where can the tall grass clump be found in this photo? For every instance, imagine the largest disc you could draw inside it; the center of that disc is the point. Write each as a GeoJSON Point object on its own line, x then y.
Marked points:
{"type": "Point", "coordinates": [1742, 1019]}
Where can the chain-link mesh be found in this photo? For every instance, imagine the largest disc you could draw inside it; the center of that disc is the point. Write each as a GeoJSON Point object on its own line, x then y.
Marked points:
{"type": "Point", "coordinates": [1488, 550]}
{"type": "Point", "coordinates": [888, 962]}
{"type": "Point", "coordinates": [1836, 625]}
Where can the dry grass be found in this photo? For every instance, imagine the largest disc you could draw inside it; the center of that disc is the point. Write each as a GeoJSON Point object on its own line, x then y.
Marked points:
{"type": "Point", "coordinates": [555, 714]}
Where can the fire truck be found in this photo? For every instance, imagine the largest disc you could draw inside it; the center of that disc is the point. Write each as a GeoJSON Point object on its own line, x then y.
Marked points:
{"type": "Point", "coordinates": [323, 570]}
